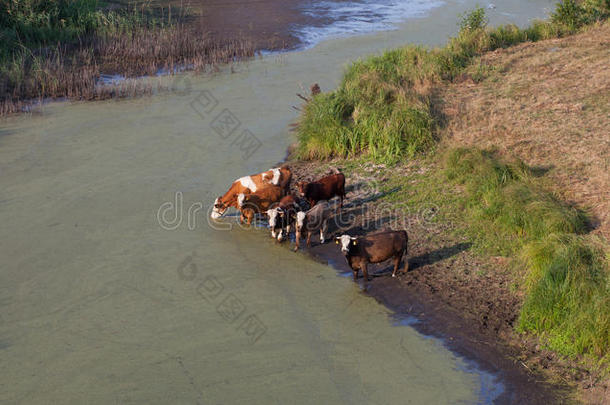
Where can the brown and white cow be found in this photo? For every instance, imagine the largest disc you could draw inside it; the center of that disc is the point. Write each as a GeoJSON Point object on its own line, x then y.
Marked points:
{"type": "Point", "coordinates": [323, 189]}
{"type": "Point", "coordinates": [316, 219]}
{"type": "Point", "coordinates": [374, 248]}
{"type": "Point", "coordinates": [258, 202]}
{"type": "Point", "coordinates": [279, 176]}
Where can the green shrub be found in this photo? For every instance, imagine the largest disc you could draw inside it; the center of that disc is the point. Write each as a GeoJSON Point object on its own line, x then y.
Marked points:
{"type": "Point", "coordinates": [576, 14]}
{"type": "Point", "coordinates": [474, 20]}
{"type": "Point", "coordinates": [568, 13]}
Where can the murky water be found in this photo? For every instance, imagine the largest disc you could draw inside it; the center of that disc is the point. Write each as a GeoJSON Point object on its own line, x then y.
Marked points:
{"type": "Point", "coordinates": [100, 302]}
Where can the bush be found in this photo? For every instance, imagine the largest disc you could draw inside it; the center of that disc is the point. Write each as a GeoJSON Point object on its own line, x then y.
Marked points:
{"type": "Point", "coordinates": [473, 20]}
{"type": "Point", "coordinates": [574, 15]}
{"type": "Point", "coordinates": [568, 13]}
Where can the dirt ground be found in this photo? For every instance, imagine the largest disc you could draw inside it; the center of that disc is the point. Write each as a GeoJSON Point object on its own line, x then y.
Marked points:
{"type": "Point", "coordinates": [455, 295]}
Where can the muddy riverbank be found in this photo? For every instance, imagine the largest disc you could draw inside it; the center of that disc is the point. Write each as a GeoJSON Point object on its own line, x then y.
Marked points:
{"type": "Point", "coordinates": [448, 293]}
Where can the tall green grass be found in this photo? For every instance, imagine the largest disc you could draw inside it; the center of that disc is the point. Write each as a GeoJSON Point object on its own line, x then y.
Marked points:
{"type": "Point", "coordinates": [382, 108]}
{"type": "Point", "coordinates": [504, 204]}
{"type": "Point", "coordinates": [567, 273]}
{"type": "Point", "coordinates": [568, 300]}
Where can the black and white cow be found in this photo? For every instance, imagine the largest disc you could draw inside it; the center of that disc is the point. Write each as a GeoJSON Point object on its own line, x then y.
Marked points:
{"type": "Point", "coordinates": [282, 217]}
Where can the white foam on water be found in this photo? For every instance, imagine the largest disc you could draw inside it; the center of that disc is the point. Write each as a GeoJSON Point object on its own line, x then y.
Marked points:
{"type": "Point", "coordinates": [359, 17]}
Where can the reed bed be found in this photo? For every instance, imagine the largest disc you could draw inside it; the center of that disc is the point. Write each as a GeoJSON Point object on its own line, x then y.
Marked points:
{"type": "Point", "coordinates": [74, 72]}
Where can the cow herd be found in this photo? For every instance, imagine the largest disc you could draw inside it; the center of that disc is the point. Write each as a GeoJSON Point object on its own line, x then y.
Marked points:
{"type": "Point", "coordinates": [268, 194]}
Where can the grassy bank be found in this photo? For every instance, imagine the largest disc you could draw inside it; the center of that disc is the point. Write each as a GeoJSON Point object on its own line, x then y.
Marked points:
{"type": "Point", "coordinates": [389, 109]}
{"type": "Point", "coordinates": [564, 272]}
{"type": "Point", "coordinates": [52, 49]}
{"type": "Point", "coordinates": [384, 107]}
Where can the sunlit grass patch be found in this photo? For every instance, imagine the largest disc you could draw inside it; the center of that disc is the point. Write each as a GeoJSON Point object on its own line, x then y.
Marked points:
{"type": "Point", "coordinates": [503, 207]}
{"type": "Point", "coordinates": [568, 293]}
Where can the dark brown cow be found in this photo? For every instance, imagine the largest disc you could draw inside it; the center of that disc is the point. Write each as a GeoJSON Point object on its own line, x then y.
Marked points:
{"type": "Point", "coordinates": [282, 216]}
{"type": "Point", "coordinates": [323, 189]}
{"type": "Point", "coordinates": [258, 202]}
{"type": "Point", "coordinates": [374, 248]}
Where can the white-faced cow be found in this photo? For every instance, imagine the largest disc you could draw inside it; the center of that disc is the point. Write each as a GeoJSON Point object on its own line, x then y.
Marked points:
{"type": "Point", "coordinates": [323, 189]}
{"type": "Point", "coordinates": [258, 202]}
{"type": "Point", "coordinates": [316, 219]}
{"type": "Point", "coordinates": [374, 248]}
{"type": "Point", "coordinates": [282, 216]}
{"type": "Point", "coordinates": [279, 176]}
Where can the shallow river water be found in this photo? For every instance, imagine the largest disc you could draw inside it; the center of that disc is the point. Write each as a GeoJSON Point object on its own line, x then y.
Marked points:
{"type": "Point", "coordinates": [114, 288]}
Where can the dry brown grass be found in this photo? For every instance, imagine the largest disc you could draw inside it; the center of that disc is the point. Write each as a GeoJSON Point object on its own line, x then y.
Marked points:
{"type": "Point", "coordinates": [549, 104]}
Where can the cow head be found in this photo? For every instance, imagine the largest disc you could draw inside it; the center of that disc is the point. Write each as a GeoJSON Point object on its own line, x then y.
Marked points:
{"type": "Point", "coordinates": [219, 208]}
{"type": "Point", "coordinates": [274, 215]}
{"type": "Point", "coordinates": [345, 241]}
{"type": "Point", "coordinates": [302, 186]}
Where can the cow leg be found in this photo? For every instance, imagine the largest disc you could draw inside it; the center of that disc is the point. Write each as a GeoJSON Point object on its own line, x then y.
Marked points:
{"type": "Point", "coordinates": [396, 263]}
{"type": "Point", "coordinates": [297, 236]}
{"type": "Point", "coordinates": [365, 272]}
{"type": "Point", "coordinates": [406, 262]}
{"type": "Point", "coordinates": [355, 273]}
{"type": "Point", "coordinates": [308, 239]}
{"type": "Point", "coordinates": [323, 229]}
{"type": "Point", "coordinates": [280, 235]}
{"type": "Point", "coordinates": [273, 233]}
